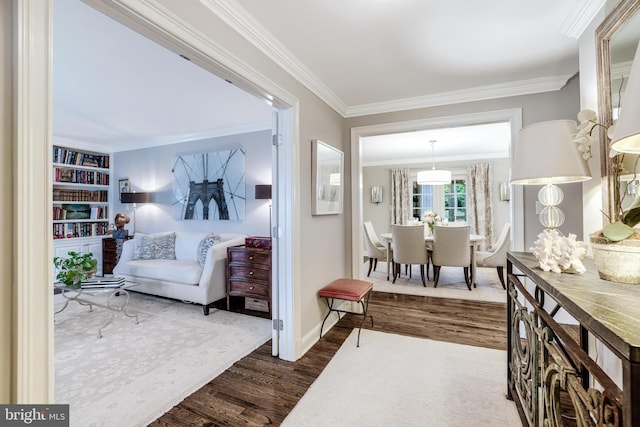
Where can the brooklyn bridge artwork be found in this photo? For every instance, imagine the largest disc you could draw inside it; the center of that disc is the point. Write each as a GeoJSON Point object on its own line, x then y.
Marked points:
{"type": "Point", "coordinates": [209, 186]}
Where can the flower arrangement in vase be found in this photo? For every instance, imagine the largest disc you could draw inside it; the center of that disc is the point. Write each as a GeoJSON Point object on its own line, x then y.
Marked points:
{"type": "Point", "coordinates": [431, 218]}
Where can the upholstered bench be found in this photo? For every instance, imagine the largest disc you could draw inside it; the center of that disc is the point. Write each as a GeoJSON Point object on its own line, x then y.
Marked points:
{"type": "Point", "coordinates": [347, 290]}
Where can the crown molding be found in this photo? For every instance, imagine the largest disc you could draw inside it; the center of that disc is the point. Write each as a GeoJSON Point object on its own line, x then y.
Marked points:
{"type": "Point", "coordinates": [503, 90]}
{"type": "Point", "coordinates": [114, 146]}
{"type": "Point", "coordinates": [234, 15]}
{"type": "Point", "coordinates": [580, 16]}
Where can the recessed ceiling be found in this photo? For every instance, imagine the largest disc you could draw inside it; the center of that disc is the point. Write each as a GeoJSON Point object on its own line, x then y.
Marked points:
{"type": "Point", "coordinates": [116, 89]}
{"type": "Point", "coordinates": [460, 143]}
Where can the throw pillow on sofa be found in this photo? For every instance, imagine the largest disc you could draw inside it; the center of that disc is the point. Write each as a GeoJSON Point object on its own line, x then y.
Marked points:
{"type": "Point", "coordinates": [155, 246]}
{"type": "Point", "coordinates": [204, 245]}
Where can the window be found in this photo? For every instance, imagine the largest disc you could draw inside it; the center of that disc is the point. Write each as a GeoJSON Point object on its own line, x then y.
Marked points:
{"type": "Point", "coordinates": [450, 201]}
{"type": "Point", "coordinates": [455, 200]}
{"type": "Point", "coordinates": [422, 200]}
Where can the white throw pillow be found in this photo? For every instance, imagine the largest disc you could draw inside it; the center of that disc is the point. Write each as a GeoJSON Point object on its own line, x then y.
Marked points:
{"type": "Point", "coordinates": [204, 245]}
{"type": "Point", "coordinates": [155, 246]}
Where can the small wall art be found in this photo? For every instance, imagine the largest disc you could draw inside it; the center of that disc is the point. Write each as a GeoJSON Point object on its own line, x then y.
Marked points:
{"type": "Point", "coordinates": [327, 179]}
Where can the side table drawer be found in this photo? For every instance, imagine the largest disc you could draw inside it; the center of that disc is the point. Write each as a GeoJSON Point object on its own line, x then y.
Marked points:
{"type": "Point", "coordinates": [243, 287]}
{"type": "Point", "coordinates": [248, 273]}
{"type": "Point", "coordinates": [248, 256]}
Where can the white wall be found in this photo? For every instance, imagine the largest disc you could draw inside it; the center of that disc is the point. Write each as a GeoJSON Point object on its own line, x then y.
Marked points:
{"type": "Point", "coordinates": [149, 169]}
{"type": "Point", "coordinates": [6, 215]}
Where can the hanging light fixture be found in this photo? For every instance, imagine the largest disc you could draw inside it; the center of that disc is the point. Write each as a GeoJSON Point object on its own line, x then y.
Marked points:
{"type": "Point", "coordinates": [434, 176]}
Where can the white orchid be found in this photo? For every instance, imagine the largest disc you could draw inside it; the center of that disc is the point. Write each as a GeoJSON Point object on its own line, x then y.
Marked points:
{"type": "Point", "coordinates": [585, 136]}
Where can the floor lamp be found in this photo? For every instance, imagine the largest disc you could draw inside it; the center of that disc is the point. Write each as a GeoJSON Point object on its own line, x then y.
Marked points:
{"type": "Point", "coordinates": [135, 198]}
{"type": "Point", "coordinates": [263, 192]}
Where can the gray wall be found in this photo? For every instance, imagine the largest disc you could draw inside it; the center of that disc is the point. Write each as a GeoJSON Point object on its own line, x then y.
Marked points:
{"type": "Point", "coordinates": [380, 214]}
{"type": "Point", "coordinates": [562, 104]}
{"type": "Point", "coordinates": [149, 169]}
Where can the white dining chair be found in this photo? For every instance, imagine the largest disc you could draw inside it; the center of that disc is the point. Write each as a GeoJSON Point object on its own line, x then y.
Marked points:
{"type": "Point", "coordinates": [496, 257]}
{"type": "Point", "coordinates": [409, 248]}
{"type": "Point", "coordinates": [451, 248]}
{"type": "Point", "coordinates": [375, 249]}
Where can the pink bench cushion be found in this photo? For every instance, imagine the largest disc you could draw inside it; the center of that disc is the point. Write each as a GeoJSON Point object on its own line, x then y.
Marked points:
{"type": "Point", "coordinates": [346, 289]}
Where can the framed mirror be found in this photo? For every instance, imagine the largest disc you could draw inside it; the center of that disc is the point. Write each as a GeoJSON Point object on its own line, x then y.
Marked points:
{"type": "Point", "coordinates": [616, 39]}
{"type": "Point", "coordinates": [327, 178]}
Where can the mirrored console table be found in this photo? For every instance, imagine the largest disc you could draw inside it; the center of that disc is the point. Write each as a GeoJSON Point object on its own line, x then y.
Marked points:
{"type": "Point", "coordinates": [551, 375]}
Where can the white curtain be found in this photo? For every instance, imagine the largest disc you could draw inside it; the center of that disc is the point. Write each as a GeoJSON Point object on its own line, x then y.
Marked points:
{"type": "Point", "coordinates": [479, 202]}
{"type": "Point", "coordinates": [400, 196]}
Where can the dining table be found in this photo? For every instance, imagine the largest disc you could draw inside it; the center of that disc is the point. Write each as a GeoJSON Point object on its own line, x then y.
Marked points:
{"type": "Point", "coordinates": [474, 240]}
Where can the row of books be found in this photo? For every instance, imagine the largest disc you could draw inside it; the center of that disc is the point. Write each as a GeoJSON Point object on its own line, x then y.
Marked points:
{"type": "Point", "coordinates": [81, 176]}
{"type": "Point", "coordinates": [61, 213]}
{"type": "Point", "coordinates": [102, 282]}
{"type": "Point", "coordinates": [80, 229]}
{"type": "Point", "coordinates": [72, 157]}
{"type": "Point", "coordinates": [75, 195]}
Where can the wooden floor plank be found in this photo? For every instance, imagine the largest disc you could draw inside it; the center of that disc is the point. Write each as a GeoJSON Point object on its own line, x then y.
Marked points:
{"type": "Point", "coordinates": [261, 389]}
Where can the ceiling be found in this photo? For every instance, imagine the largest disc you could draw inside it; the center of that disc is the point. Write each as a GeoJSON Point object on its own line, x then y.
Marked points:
{"type": "Point", "coordinates": [115, 88]}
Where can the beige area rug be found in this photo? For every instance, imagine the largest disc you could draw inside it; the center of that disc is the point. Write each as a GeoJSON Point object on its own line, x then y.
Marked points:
{"type": "Point", "coordinates": [394, 380]}
{"type": "Point", "coordinates": [135, 373]}
{"type": "Point", "coordinates": [450, 285]}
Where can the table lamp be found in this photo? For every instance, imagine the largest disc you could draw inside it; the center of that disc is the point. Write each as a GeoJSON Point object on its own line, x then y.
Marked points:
{"type": "Point", "coordinates": [545, 154]}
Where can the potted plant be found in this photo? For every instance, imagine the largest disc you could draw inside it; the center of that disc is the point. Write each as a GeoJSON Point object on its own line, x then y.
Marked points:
{"type": "Point", "coordinates": [616, 248]}
{"type": "Point", "coordinates": [75, 268]}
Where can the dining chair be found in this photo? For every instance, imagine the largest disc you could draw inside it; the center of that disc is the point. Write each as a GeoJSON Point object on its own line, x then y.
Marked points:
{"type": "Point", "coordinates": [451, 248]}
{"type": "Point", "coordinates": [374, 247]}
{"type": "Point", "coordinates": [408, 248]}
{"type": "Point", "coordinates": [496, 257]}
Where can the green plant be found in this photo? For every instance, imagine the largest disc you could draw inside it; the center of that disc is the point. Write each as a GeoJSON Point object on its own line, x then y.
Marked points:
{"type": "Point", "coordinates": [75, 268]}
{"type": "Point", "coordinates": [623, 227]}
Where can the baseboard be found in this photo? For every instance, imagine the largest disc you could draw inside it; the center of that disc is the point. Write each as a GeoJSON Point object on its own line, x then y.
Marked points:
{"type": "Point", "coordinates": [313, 336]}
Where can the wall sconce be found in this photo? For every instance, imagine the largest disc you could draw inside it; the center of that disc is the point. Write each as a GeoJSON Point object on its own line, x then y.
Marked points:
{"type": "Point", "coordinates": [376, 194]}
{"type": "Point", "coordinates": [505, 193]}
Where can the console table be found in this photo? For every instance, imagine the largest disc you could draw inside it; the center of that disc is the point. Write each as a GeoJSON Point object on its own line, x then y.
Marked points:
{"type": "Point", "coordinates": [551, 376]}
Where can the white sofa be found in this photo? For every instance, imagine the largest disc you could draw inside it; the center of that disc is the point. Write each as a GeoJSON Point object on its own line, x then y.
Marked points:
{"type": "Point", "coordinates": [182, 278]}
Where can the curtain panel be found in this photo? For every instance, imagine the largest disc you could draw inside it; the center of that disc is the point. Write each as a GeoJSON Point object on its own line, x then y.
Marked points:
{"type": "Point", "coordinates": [479, 202]}
{"type": "Point", "coordinates": [400, 196]}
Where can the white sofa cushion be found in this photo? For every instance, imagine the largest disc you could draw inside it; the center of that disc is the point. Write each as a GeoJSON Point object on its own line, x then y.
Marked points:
{"type": "Point", "coordinates": [187, 244]}
{"type": "Point", "coordinates": [179, 271]}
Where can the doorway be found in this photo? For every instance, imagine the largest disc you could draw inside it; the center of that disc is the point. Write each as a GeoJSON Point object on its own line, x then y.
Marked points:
{"type": "Point", "coordinates": [358, 136]}
{"type": "Point", "coordinates": [33, 76]}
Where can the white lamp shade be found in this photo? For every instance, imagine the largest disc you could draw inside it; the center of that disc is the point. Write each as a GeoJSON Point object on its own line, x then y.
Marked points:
{"type": "Point", "coordinates": [434, 177]}
{"type": "Point", "coordinates": [546, 154]}
{"type": "Point", "coordinates": [626, 135]}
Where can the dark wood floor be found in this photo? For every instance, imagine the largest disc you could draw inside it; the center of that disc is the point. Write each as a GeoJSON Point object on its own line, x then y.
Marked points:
{"type": "Point", "coordinates": [261, 390]}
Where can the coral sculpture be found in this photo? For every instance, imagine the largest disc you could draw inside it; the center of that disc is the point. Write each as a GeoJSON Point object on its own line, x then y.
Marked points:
{"type": "Point", "coordinates": [558, 253]}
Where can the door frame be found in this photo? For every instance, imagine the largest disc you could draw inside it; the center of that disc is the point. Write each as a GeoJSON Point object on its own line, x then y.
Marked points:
{"type": "Point", "coordinates": [32, 323]}
{"type": "Point", "coordinates": [516, 204]}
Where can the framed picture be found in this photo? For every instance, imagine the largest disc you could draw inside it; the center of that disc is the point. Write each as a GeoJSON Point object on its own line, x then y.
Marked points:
{"type": "Point", "coordinates": [327, 173]}
{"type": "Point", "coordinates": [124, 187]}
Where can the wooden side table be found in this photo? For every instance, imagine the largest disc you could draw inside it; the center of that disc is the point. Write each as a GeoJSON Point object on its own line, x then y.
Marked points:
{"type": "Point", "coordinates": [249, 273]}
{"type": "Point", "coordinates": [110, 254]}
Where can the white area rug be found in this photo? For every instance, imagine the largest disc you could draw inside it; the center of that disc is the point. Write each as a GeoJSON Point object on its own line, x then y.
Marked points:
{"type": "Point", "coordinates": [450, 285]}
{"type": "Point", "coordinates": [394, 380]}
{"type": "Point", "coordinates": [135, 373]}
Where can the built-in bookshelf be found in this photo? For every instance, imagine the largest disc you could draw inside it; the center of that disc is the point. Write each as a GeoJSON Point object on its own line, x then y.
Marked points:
{"type": "Point", "coordinates": [80, 193]}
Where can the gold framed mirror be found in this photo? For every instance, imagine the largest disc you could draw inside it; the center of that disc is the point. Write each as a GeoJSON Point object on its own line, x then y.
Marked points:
{"type": "Point", "coordinates": [616, 41]}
